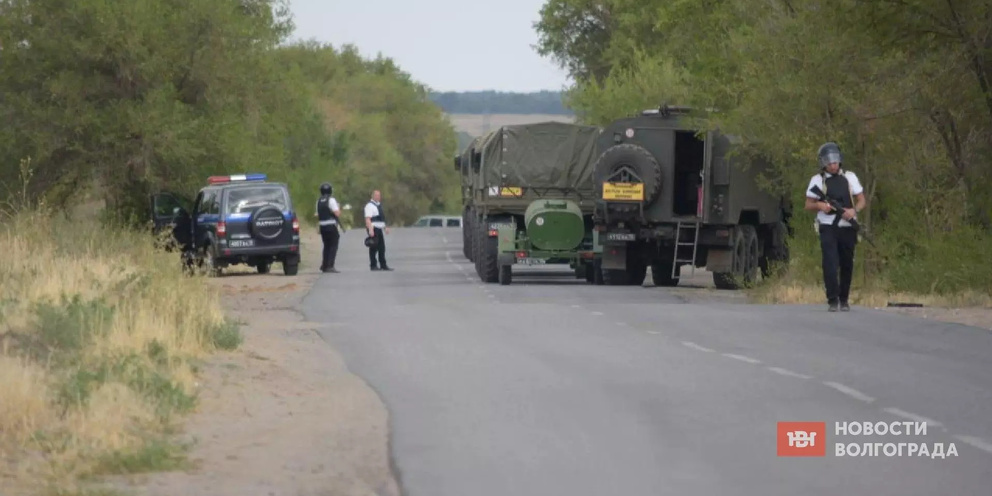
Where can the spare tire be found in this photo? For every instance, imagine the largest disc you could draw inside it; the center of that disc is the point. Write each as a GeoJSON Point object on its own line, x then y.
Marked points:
{"type": "Point", "coordinates": [267, 223]}
{"type": "Point", "coordinates": [628, 163]}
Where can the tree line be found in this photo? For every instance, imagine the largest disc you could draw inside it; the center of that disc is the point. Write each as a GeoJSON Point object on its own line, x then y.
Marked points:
{"type": "Point", "coordinates": [131, 98]}
{"type": "Point", "coordinates": [499, 102]}
{"type": "Point", "coordinates": [905, 87]}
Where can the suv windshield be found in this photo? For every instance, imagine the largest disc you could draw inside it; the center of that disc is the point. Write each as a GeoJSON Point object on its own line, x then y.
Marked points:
{"type": "Point", "coordinates": [245, 200]}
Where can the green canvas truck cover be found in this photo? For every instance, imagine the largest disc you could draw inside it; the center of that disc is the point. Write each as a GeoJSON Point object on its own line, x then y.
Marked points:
{"type": "Point", "coordinates": [540, 155]}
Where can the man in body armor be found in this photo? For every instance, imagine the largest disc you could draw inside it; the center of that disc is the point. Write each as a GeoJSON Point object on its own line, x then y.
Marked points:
{"type": "Point", "coordinates": [838, 238]}
{"type": "Point", "coordinates": [375, 225]}
{"type": "Point", "coordinates": [328, 213]}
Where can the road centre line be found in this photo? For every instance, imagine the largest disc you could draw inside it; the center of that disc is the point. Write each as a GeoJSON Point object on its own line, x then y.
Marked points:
{"type": "Point", "coordinates": [854, 393]}
{"type": "Point", "coordinates": [690, 344]}
{"type": "Point", "coordinates": [912, 416]}
{"type": "Point", "coordinates": [742, 358]}
{"type": "Point", "coordinates": [786, 372]}
{"type": "Point", "coordinates": [975, 442]}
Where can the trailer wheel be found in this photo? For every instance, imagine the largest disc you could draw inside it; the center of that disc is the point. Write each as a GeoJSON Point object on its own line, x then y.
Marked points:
{"type": "Point", "coordinates": [505, 274]}
{"type": "Point", "coordinates": [597, 272]}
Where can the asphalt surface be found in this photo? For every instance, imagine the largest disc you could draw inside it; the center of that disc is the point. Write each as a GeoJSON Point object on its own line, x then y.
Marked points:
{"type": "Point", "coordinates": [552, 386]}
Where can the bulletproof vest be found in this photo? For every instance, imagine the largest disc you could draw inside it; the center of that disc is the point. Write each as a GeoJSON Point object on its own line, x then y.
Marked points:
{"type": "Point", "coordinates": [324, 208]}
{"type": "Point", "coordinates": [381, 217]}
{"type": "Point", "coordinates": [838, 188]}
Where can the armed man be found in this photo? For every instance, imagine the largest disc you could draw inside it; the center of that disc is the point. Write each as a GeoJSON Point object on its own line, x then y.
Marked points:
{"type": "Point", "coordinates": [837, 196]}
{"type": "Point", "coordinates": [328, 213]}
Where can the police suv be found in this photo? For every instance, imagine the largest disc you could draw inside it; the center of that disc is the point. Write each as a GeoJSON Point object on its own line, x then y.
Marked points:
{"type": "Point", "coordinates": [237, 219]}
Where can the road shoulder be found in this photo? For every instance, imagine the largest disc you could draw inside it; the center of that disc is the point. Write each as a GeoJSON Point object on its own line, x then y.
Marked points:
{"type": "Point", "coordinates": [282, 414]}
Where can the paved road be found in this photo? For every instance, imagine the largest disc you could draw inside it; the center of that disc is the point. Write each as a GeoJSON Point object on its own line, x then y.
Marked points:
{"type": "Point", "coordinates": [552, 386]}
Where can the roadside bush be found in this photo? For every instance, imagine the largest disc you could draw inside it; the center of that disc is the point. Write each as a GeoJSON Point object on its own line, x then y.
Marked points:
{"type": "Point", "coordinates": [99, 332]}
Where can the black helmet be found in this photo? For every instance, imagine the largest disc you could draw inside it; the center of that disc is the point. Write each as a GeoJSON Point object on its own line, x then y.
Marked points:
{"type": "Point", "coordinates": [325, 189]}
{"type": "Point", "coordinates": [828, 153]}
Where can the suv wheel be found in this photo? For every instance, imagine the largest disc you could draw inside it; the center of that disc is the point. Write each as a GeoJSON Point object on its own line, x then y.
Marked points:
{"type": "Point", "coordinates": [290, 268]}
{"type": "Point", "coordinates": [207, 262]}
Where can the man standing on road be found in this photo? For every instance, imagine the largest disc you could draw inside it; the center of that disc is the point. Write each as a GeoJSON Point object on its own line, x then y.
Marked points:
{"type": "Point", "coordinates": [328, 213]}
{"type": "Point", "coordinates": [838, 237]}
{"type": "Point", "coordinates": [375, 224]}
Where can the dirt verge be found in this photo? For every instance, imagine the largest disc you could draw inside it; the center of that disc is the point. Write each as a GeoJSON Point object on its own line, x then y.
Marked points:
{"type": "Point", "coordinates": [281, 415]}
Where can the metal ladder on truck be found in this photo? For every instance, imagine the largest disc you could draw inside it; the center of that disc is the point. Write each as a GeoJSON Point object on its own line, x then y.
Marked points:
{"type": "Point", "coordinates": [680, 229]}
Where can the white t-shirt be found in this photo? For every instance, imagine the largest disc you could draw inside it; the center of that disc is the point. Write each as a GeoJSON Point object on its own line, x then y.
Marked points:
{"type": "Point", "coordinates": [856, 189]}
{"type": "Point", "coordinates": [372, 211]}
{"type": "Point", "coordinates": [333, 204]}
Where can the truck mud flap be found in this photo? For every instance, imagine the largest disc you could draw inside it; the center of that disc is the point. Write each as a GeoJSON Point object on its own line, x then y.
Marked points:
{"type": "Point", "coordinates": [615, 257]}
{"type": "Point", "coordinates": [506, 259]}
{"type": "Point", "coordinates": [720, 259]}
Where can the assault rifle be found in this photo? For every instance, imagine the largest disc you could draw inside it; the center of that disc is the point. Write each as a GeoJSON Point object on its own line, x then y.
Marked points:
{"type": "Point", "coordinates": [837, 210]}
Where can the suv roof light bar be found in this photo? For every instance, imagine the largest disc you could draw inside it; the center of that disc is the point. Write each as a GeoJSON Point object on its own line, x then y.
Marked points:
{"type": "Point", "coordinates": [237, 177]}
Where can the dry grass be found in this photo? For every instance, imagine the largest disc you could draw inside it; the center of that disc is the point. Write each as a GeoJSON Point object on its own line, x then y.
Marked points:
{"type": "Point", "coordinates": [99, 331]}
{"type": "Point", "coordinates": [803, 284]}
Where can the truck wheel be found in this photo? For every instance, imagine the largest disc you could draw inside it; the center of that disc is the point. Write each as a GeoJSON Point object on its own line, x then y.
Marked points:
{"type": "Point", "coordinates": [590, 272]}
{"type": "Point", "coordinates": [744, 270]}
{"type": "Point", "coordinates": [661, 272]}
{"type": "Point", "coordinates": [468, 229]}
{"type": "Point", "coordinates": [489, 268]}
{"type": "Point", "coordinates": [637, 270]}
{"type": "Point", "coordinates": [775, 256]}
{"type": "Point", "coordinates": [505, 274]}
{"type": "Point", "coordinates": [615, 277]}
{"type": "Point", "coordinates": [479, 235]}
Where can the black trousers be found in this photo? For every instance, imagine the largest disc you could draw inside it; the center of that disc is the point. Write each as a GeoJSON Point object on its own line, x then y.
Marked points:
{"type": "Point", "coordinates": [331, 237]}
{"type": "Point", "coordinates": [837, 245]}
{"type": "Point", "coordinates": [378, 249]}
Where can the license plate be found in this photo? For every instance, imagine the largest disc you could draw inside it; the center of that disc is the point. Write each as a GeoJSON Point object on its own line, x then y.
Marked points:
{"type": "Point", "coordinates": [620, 236]}
{"type": "Point", "coordinates": [241, 243]}
{"type": "Point", "coordinates": [530, 261]}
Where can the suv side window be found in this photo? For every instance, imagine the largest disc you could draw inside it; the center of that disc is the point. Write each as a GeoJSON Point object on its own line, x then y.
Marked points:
{"type": "Point", "coordinates": [210, 204]}
{"type": "Point", "coordinates": [197, 205]}
{"type": "Point", "coordinates": [436, 222]}
{"type": "Point", "coordinates": [454, 222]}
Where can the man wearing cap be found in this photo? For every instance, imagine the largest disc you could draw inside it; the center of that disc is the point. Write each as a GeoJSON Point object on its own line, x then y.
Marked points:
{"type": "Point", "coordinates": [375, 225]}
{"type": "Point", "coordinates": [328, 213]}
{"type": "Point", "coordinates": [838, 237]}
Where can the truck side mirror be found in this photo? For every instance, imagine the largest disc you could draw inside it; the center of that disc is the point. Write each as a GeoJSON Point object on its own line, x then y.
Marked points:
{"type": "Point", "coordinates": [458, 163]}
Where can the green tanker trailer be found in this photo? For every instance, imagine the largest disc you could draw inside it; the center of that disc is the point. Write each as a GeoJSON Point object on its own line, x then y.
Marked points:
{"type": "Point", "coordinates": [532, 199]}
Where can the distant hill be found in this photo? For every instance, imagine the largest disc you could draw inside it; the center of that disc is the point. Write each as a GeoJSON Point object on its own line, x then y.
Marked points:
{"type": "Point", "coordinates": [497, 102]}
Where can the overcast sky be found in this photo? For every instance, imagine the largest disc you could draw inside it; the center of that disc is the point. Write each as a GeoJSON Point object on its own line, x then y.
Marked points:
{"type": "Point", "coordinates": [434, 40]}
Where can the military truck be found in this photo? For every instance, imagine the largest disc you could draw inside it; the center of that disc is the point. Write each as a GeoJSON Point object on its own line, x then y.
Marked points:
{"type": "Point", "coordinates": [530, 199]}
{"type": "Point", "coordinates": [670, 195]}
